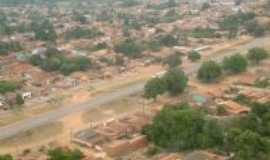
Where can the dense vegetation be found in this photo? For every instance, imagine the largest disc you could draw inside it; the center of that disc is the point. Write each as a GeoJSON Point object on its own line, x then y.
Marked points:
{"type": "Point", "coordinates": [56, 61]}
{"type": "Point", "coordinates": [174, 81]}
{"type": "Point", "coordinates": [256, 55]}
{"type": "Point", "coordinates": [209, 71]}
{"type": "Point", "coordinates": [173, 60]}
{"type": "Point", "coordinates": [179, 127]}
{"type": "Point", "coordinates": [64, 154]}
{"type": "Point", "coordinates": [235, 63]}
{"type": "Point", "coordinates": [204, 33]}
{"type": "Point", "coordinates": [194, 56]}
{"type": "Point", "coordinates": [44, 30]}
{"type": "Point", "coordinates": [247, 20]}
{"type": "Point", "coordinates": [129, 48]}
{"type": "Point", "coordinates": [12, 46]}
{"type": "Point", "coordinates": [56, 154]}
{"type": "Point", "coordinates": [80, 32]}
{"type": "Point", "coordinates": [8, 86]}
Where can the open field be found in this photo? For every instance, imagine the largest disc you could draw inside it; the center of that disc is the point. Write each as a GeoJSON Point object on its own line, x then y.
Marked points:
{"type": "Point", "coordinates": [31, 138]}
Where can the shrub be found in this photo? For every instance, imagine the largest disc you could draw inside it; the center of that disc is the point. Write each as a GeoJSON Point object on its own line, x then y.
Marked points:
{"type": "Point", "coordinates": [19, 99]}
{"type": "Point", "coordinates": [64, 154]}
{"type": "Point", "coordinates": [7, 86]}
{"type": "Point", "coordinates": [168, 40]}
{"type": "Point", "coordinates": [255, 28]}
{"type": "Point", "coordinates": [173, 60]}
{"type": "Point", "coordinates": [80, 32]}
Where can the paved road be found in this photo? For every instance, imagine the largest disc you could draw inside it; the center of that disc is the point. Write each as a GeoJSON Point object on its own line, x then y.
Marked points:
{"type": "Point", "coordinates": [42, 119]}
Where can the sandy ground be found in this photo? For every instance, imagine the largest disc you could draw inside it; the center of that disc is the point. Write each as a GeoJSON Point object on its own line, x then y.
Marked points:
{"type": "Point", "coordinates": [61, 131]}
{"type": "Point", "coordinates": [31, 139]}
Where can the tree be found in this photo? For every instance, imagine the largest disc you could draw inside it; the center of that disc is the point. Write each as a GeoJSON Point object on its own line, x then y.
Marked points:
{"type": "Point", "coordinates": [257, 54]}
{"type": "Point", "coordinates": [64, 154]}
{"type": "Point", "coordinates": [177, 128]}
{"type": "Point", "coordinates": [173, 60]}
{"type": "Point", "coordinates": [19, 99]}
{"type": "Point", "coordinates": [82, 63]}
{"type": "Point", "coordinates": [194, 56]}
{"type": "Point", "coordinates": [176, 81]}
{"type": "Point", "coordinates": [248, 145]}
{"type": "Point", "coordinates": [255, 28]}
{"type": "Point", "coordinates": [213, 134]}
{"type": "Point", "coordinates": [209, 71]}
{"type": "Point", "coordinates": [154, 87]}
{"type": "Point", "coordinates": [129, 48]}
{"type": "Point", "coordinates": [44, 31]}
{"type": "Point", "coordinates": [235, 63]}
{"type": "Point", "coordinates": [168, 40]}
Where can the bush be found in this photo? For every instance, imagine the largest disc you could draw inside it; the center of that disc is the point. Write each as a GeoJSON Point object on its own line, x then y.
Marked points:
{"type": "Point", "coordinates": [173, 60]}
{"type": "Point", "coordinates": [129, 48]}
{"type": "Point", "coordinates": [257, 54]}
{"type": "Point", "coordinates": [203, 33]}
{"type": "Point", "coordinates": [209, 71]}
{"type": "Point", "coordinates": [6, 47]}
{"type": "Point", "coordinates": [262, 83]}
{"type": "Point", "coordinates": [7, 86]}
{"type": "Point", "coordinates": [168, 40]}
{"type": "Point", "coordinates": [80, 32]}
{"type": "Point", "coordinates": [194, 56]}
{"type": "Point", "coordinates": [64, 154]}
{"type": "Point", "coordinates": [153, 151]}
{"type": "Point", "coordinates": [99, 46]}
{"type": "Point", "coordinates": [235, 63]}
{"type": "Point", "coordinates": [19, 99]}
{"type": "Point", "coordinates": [44, 30]}
{"type": "Point", "coordinates": [255, 28]}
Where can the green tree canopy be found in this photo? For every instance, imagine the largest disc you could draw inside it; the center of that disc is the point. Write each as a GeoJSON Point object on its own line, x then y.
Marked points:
{"type": "Point", "coordinates": [194, 56]}
{"type": "Point", "coordinates": [235, 63]}
{"type": "Point", "coordinates": [154, 87]}
{"type": "Point", "coordinates": [181, 127]}
{"type": "Point", "coordinates": [64, 154]}
{"type": "Point", "coordinates": [257, 54]}
{"type": "Point", "coordinates": [44, 30]}
{"type": "Point", "coordinates": [209, 71]}
{"type": "Point", "coordinates": [176, 81]}
{"type": "Point", "coordinates": [173, 60]}
{"type": "Point", "coordinates": [8, 86]}
{"type": "Point", "coordinates": [129, 48]}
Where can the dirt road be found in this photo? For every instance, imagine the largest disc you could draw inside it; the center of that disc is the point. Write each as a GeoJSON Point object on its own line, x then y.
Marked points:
{"type": "Point", "coordinates": [42, 119]}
